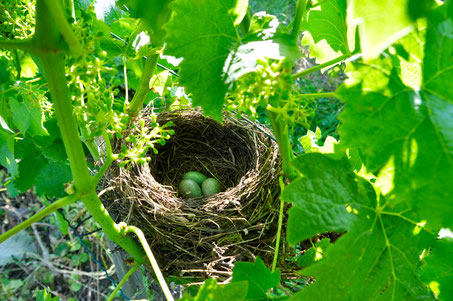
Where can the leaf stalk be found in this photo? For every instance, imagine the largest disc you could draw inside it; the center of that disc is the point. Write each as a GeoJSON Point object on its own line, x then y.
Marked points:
{"type": "Point", "coordinates": [301, 11]}
{"type": "Point", "coordinates": [280, 225]}
{"type": "Point", "coordinates": [152, 260]}
{"type": "Point", "coordinates": [39, 216]}
{"type": "Point", "coordinates": [123, 281]}
{"type": "Point", "coordinates": [143, 85]}
{"type": "Point", "coordinates": [321, 66]}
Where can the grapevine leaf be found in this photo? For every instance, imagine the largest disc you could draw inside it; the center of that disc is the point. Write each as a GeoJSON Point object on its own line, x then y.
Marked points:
{"type": "Point", "coordinates": [7, 152]}
{"type": "Point", "coordinates": [159, 82]}
{"type": "Point", "coordinates": [415, 131]}
{"type": "Point", "coordinates": [81, 4]}
{"type": "Point", "coordinates": [379, 113]}
{"type": "Point", "coordinates": [263, 26]}
{"type": "Point", "coordinates": [326, 31]}
{"type": "Point", "coordinates": [410, 50]}
{"type": "Point", "coordinates": [315, 253]}
{"type": "Point", "coordinates": [438, 61]}
{"type": "Point", "coordinates": [28, 117]}
{"type": "Point", "coordinates": [108, 11]}
{"type": "Point", "coordinates": [51, 179]}
{"type": "Point", "coordinates": [16, 247]}
{"type": "Point", "coordinates": [29, 169]}
{"type": "Point", "coordinates": [211, 291]}
{"type": "Point", "coordinates": [260, 279]}
{"type": "Point", "coordinates": [320, 197]}
{"type": "Point", "coordinates": [62, 224]}
{"type": "Point", "coordinates": [203, 33]}
{"type": "Point", "coordinates": [155, 13]}
{"type": "Point", "coordinates": [310, 142]}
{"type": "Point", "coordinates": [375, 33]}
{"type": "Point", "coordinates": [419, 8]}
{"type": "Point", "coordinates": [378, 259]}
{"type": "Point", "coordinates": [438, 269]}
{"type": "Point", "coordinates": [51, 147]}
{"type": "Point", "coordinates": [28, 67]}
{"type": "Point", "coordinates": [124, 27]}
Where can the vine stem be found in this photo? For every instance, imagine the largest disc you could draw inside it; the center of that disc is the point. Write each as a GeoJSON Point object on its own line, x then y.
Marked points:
{"type": "Point", "coordinates": [152, 260]}
{"type": "Point", "coordinates": [123, 281]}
{"type": "Point", "coordinates": [85, 132]}
{"type": "Point", "coordinates": [322, 66]}
{"type": "Point", "coordinates": [280, 130]}
{"type": "Point", "coordinates": [53, 67]}
{"type": "Point", "coordinates": [25, 44]}
{"type": "Point", "coordinates": [301, 10]}
{"type": "Point", "coordinates": [38, 216]}
{"type": "Point", "coordinates": [52, 63]}
{"type": "Point", "coordinates": [320, 95]}
{"type": "Point", "coordinates": [280, 225]}
{"type": "Point", "coordinates": [17, 62]}
{"type": "Point", "coordinates": [61, 21]}
{"type": "Point", "coordinates": [143, 86]}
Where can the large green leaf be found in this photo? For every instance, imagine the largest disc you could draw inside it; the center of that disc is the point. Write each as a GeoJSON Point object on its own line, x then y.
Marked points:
{"type": "Point", "coordinates": [29, 168]}
{"type": "Point", "coordinates": [380, 23]}
{"type": "Point", "coordinates": [260, 279]}
{"type": "Point", "coordinates": [378, 259]}
{"type": "Point", "coordinates": [320, 197]}
{"type": "Point", "coordinates": [438, 269]}
{"type": "Point", "coordinates": [51, 179]}
{"type": "Point", "coordinates": [203, 33]}
{"type": "Point", "coordinates": [393, 125]}
{"type": "Point", "coordinates": [379, 113]}
{"type": "Point", "coordinates": [326, 31]}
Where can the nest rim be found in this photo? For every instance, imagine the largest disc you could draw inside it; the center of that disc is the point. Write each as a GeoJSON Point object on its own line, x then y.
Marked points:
{"type": "Point", "coordinates": [215, 231]}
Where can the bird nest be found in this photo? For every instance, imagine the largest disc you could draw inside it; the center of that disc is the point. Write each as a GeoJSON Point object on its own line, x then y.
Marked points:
{"type": "Point", "coordinates": [203, 237]}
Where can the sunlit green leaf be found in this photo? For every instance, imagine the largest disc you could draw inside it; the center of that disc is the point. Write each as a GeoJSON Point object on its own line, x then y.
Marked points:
{"type": "Point", "coordinates": [380, 23]}
{"type": "Point", "coordinates": [326, 31]}
{"type": "Point", "coordinates": [378, 259]}
{"type": "Point", "coordinates": [438, 269]}
{"type": "Point", "coordinates": [28, 67]}
{"type": "Point", "coordinates": [203, 33]}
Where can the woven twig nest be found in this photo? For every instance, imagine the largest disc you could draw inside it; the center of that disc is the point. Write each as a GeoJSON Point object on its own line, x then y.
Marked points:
{"type": "Point", "coordinates": [203, 237]}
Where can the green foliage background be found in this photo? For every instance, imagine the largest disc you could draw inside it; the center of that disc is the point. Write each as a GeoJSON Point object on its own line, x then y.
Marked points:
{"type": "Point", "coordinates": [386, 183]}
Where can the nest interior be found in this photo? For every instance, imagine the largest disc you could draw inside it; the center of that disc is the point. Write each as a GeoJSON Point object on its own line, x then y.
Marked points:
{"type": "Point", "coordinates": [203, 237]}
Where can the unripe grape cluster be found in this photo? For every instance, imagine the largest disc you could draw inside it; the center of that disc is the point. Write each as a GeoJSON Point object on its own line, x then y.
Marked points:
{"type": "Point", "coordinates": [270, 87]}
{"type": "Point", "coordinates": [93, 85]}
